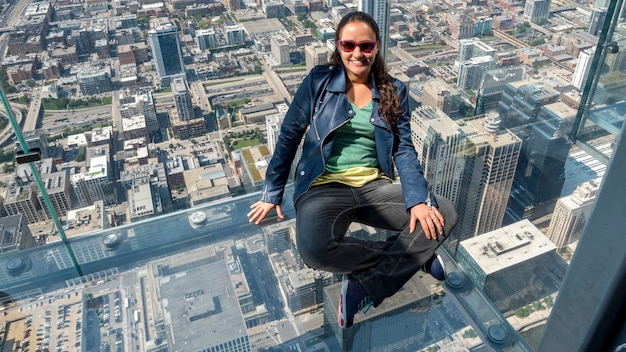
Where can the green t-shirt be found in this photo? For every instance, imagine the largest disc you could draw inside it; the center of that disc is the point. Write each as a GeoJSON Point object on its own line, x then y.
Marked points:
{"type": "Point", "coordinates": [353, 159]}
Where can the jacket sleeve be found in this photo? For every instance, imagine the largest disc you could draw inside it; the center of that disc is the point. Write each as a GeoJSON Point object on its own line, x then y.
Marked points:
{"type": "Point", "coordinates": [293, 128]}
{"type": "Point", "coordinates": [414, 184]}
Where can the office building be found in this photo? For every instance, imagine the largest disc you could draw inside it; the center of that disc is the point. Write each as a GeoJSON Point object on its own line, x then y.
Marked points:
{"type": "Point", "coordinates": [58, 188]}
{"type": "Point", "coordinates": [206, 184]}
{"type": "Point", "coordinates": [15, 236]}
{"type": "Point", "coordinates": [168, 57]}
{"type": "Point", "coordinates": [315, 54]}
{"type": "Point", "coordinates": [461, 26]}
{"type": "Point", "coordinates": [280, 49]}
{"type": "Point", "coordinates": [206, 39]}
{"type": "Point", "coordinates": [536, 10]}
{"type": "Point", "coordinates": [492, 86]}
{"type": "Point", "coordinates": [254, 162]}
{"type": "Point", "coordinates": [95, 183]}
{"type": "Point", "coordinates": [200, 300]}
{"type": "Point", "coordinates": [439, 94]}
{"type": "Point", "coordinates": [155, 173]}
{"type": "Point", "coordinates": [598, 14]}
{"type": "Point", "coordinates": [182, 99]}
{"type": "Point", "coordinates": [94, 81]}
{"type": "Point", "coordinates": [471, 71]}
{"type": "Point", "coordinates": [482, 26]}
{"type": "Point", "coordinates": [273, 9]}
{"type": "Point", "coordinates": [492, 154]}
{"type": "Point", "coordinates": [233, 5]}
{"type": "Point", "coordinates": [235, 35]}
{"type": "Point", "coordinates": [469, 161]}
{"type": "Point", "coordinates": [140, 104]}
{"type": "Point", "coordinates": [440, 147]}
{"type": "Point", "coordinates": [571, 213]}
{"type": "Point", "coordinates": [582, 68]}
{"type": "Point", "coordinates": [514, 266]}
{"type": "Point", "coordinates": [23, 195]}
{"type": "Point", "coordinates": [533, 112]}
{"type": "Point", "coordinates": [379, 10]}
{"type": "Point", "coordinates": [35, 140]}
{"type": "Point", "coordinates": [474, 47]}
{"type": "Point", "coordinates": [142, 203]}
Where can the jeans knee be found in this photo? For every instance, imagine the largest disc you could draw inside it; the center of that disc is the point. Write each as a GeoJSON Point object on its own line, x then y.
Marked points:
{"type": "Point", "coordinates": [316, 256]}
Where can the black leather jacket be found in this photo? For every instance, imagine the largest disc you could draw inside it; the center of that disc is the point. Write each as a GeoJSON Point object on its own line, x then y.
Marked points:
{"type": "Point", "coordinates": [318, 109]}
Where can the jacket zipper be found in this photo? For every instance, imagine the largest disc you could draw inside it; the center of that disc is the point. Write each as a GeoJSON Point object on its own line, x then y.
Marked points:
{"type": "Point", "coordinates": [321, 154]}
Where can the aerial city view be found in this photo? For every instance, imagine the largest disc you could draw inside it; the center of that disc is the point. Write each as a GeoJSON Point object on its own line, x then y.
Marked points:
{"type": "Point", "coordinates": [151, 124]}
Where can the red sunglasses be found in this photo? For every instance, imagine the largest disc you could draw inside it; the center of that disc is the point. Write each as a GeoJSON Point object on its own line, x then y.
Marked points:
{"type": "Point", "coordinates": [366, 46]}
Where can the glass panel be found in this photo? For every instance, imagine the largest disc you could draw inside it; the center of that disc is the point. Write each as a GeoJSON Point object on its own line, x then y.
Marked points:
{"type": "Point", "coordinates": [602, 111]}
{"type": "Point", "coordinates": [205, 277]}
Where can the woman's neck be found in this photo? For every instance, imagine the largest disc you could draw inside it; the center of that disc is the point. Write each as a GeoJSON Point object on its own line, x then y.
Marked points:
{"type": "Point", "coordinates": [359, 93]}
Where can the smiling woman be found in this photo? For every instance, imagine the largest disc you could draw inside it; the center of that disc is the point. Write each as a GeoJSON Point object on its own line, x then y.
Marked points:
{"type": "Point", "coordinates": [355, 121]}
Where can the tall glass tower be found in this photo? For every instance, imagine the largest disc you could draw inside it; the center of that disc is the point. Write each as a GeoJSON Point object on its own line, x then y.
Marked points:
{"type": "Point", "coordinates": [166, 52]}
{"type": "Point", "coordinates": [379, 9]}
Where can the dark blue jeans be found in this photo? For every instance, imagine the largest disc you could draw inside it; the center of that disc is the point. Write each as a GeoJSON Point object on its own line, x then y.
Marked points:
{"type": "Point", "coordinates": [324, 213]}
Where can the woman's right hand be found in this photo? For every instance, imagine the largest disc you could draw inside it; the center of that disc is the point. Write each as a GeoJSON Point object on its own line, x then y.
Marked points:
{"type": "Point", "coordinates": [260, 210]}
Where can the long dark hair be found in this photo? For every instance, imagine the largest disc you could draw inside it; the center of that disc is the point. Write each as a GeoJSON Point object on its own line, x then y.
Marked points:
{"type": "Point", "coordinates": [389, 107]}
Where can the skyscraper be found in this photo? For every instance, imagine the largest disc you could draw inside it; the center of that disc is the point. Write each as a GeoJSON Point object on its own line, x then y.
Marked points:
{"type": "Point", "coordinates": [492, 85]}
{"type": "Point", "coordinates": [469, 161]}
{"type": "Point", "coordinates": [440, 149]}
{"type": "Point", "coordinates": [514, 265]}
{"type": "Point", "coordinates": [492, 154]}
{"type": "Point", "coordinates": [474, 47]}
{"type": "Point", "coordinates": [582, 68]}
{"type": "Point", "coordinates": [598, 15]}
{"type": "Point", "coordinates": [471, 71]}
{"type": "Point", "coordinates": [571, 213]}
{"type": "Point", "coordinates": [166, 51]}
{"type": "Point", "coordinates": [536, 10]}
{"type": "Point", "coordinates": [379, 9]}
{"type": "Point", "coordinates": [534, 114]}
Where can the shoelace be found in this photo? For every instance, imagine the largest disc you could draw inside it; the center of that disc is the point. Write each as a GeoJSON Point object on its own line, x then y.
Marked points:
{"type": "Point", "coordinates": [365, 304]}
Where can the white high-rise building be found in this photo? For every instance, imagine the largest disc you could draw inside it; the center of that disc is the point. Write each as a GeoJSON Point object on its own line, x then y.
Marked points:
{"type": "Point", "coordinates": [471, 71]}
{"type": "Point", "coordinates": [471, 162]}
{"type": "Point", "coordinates": [235, 35]}
{"type": "Point", "coordinates": [182, 100]}
{"type": "Point", "coordinates": [379, 10]}
{"type": "Point", "coordinates": [273, 123]}
{"type": "Point", "coordinates": [571, 213]}
{"type": "Point", "coordinates": [582, 68]}
{"type": "Point", "coordinates": [536, 10]}
{"type": "Point", "coordinates": [474, 47]}
{"type": "Point", "coordinates": [440, 147]}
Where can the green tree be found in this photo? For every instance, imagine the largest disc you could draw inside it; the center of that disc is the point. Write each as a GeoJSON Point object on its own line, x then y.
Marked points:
{"type": "Point", "coordinates": [8, 167]}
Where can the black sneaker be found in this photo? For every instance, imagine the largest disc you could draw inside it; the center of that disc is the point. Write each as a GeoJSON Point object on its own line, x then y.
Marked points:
{"type": "Point", "coordinates": [435, 267]}
{"type": "Point", "coordinates": [352, 300]}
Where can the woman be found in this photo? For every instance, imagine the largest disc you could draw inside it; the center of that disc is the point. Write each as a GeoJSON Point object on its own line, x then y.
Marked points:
{"type": "Point", "coordinates": [356, 123]}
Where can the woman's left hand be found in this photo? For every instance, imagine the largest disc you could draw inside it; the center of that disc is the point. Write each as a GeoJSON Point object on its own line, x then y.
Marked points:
{"type": "Point", "coordinates": [429, 217]}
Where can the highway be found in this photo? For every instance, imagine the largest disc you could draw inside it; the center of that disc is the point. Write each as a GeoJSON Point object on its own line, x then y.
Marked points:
{"type": "Point", "coordinates": [7, 133]}
{"type": "Point", "coordinates": [510, 39]}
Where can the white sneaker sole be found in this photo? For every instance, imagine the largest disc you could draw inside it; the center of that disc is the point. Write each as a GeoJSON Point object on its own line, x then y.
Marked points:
{"type": "Point", "coordinates": [341, 318]}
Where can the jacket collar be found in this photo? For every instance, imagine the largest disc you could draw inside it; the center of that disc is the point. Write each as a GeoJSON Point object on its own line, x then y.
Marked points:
{"type": "Point", "coordinates": [337, 82]}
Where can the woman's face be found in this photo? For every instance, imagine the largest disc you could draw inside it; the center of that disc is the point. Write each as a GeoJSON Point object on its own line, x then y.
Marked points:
{"type": "Point", "coordinates": [358, 61]}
